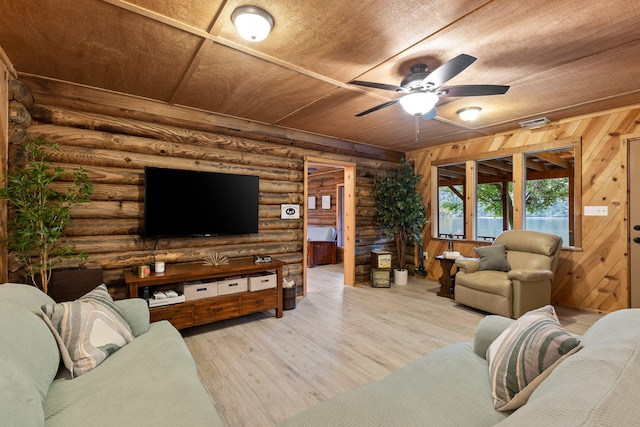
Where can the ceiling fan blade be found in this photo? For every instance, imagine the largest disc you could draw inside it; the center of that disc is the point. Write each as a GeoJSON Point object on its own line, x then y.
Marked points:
{"type": "Point", "coordinates": [378, 107]}
{"type": "Point", "coordinates": [447, 71]}
{"type": "Point", "coordinates": [430, 114]}
{"type": "Point", "coordinates": [472, 90]}
{"type": "Point", "coordinates": [377, 85]}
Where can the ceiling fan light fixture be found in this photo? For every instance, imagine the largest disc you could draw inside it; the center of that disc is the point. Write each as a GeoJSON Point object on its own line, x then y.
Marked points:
{"type": "Point", "coordinates": [419, 103]}
{"type": "Point", "coordinates": [469, 114]}
{"type": "Point", "coordinates": [253, 24]}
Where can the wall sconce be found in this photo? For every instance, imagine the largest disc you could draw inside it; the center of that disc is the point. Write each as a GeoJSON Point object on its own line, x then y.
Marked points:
{"type": "Point", "coordinates": [253, 24]}
{"type": "Point", "coordinates": [469, 114]}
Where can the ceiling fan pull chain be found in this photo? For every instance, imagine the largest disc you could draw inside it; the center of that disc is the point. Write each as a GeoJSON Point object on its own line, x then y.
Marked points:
{"type": "Point", "coordinates": [417, 128]}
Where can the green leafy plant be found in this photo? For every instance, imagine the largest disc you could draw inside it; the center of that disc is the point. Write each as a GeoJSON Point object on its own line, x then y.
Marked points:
{"type": "Point", "coordinates": [39, 213]}
{"type": "Point", "coordinates": [399, 207]}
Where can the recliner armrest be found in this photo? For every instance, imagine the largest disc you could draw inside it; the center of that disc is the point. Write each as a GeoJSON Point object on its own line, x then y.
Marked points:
{"type": "Point", "coordinates": [468, 265]}
{"type": "Point", "coordinates": [530, 275]}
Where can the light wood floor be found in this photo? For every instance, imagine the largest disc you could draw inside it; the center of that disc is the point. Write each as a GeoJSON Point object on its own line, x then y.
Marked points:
{"type": "Point", "coordinates": [261, 370]}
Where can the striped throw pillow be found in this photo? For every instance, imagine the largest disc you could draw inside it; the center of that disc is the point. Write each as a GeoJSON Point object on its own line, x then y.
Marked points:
{"type": "Point", "coordinates": [525, 354]}
{"type": "Point", "coordinates": [87, 330]}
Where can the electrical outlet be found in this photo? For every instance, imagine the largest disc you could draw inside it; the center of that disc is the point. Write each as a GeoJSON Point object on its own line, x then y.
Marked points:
{"type": "Point", "coordinates": [596, 210]}
{"type": "Point", "coordinates": [425, 255]}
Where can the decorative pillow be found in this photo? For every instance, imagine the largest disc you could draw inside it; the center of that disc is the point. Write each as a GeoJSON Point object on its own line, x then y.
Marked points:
{"type": "Point", "coordinates": [493, 257]}
{"type": "Point", "coordinates": [525, 354]}
{"type": "Point", "coordinates": [88, 330]}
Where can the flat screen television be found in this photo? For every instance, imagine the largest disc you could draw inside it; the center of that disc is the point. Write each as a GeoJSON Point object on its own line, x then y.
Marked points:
{"type": "Point", "coordinates": [180, 203]}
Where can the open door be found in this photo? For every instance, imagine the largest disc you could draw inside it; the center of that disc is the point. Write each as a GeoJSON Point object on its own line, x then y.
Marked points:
{"type": "Point", "coordinates": [347, 217]}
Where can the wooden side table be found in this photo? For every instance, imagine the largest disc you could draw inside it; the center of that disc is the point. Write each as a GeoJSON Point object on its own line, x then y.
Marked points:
{"type": "Point", "coordinates": [448, 279]}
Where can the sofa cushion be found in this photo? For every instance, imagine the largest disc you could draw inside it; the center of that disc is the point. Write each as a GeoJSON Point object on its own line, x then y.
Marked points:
{"type": "Point", "coordinates": [88, 330]}
{"type": "Point", "coordinates": [525, 354]}
{"type": "Point", "coordinates": [151, 382]}
{"type": "Point", "coordinates": [29, 358]}
{"type": "Point", "coordinates": [598, 386]}
{"type": "Point", "coordinates": [448, 387]}
{"type": "Point", "coordinates": [493, 257]}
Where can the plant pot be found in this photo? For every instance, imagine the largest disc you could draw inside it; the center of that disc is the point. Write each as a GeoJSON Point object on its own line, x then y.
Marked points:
{"type": "Point", "coordinates": [400, 276]}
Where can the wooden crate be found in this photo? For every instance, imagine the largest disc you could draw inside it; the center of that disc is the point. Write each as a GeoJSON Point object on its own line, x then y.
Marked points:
{"type": "Point", "coordinates": [381, 277]}
{"type": "Point", "coordinates": [380, 259]}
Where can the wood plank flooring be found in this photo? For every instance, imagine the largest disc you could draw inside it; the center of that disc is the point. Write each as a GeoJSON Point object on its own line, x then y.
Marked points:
{"type": "Point", "coordinates": [261, 370]}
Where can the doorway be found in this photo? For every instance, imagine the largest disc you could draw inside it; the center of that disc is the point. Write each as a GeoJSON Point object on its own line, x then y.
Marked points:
{"type": "Point", "coordinates": [342, 210]}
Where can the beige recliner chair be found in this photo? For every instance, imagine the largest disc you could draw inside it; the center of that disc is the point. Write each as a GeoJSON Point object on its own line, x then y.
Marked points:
{"type": "Point", "coordinates": [512, 279]}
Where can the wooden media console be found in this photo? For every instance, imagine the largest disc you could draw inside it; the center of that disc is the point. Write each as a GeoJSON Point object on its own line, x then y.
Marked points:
{"type": "Point", "coordinates": [210, 309]}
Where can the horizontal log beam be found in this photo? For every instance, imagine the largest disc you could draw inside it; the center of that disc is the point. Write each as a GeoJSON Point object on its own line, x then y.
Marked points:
{"type": "Point", "coordinates": [127, 243]}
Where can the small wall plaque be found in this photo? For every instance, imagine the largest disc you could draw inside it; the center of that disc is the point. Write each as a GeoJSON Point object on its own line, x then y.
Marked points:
{"type": "Point", "coordinates": [289, 211]}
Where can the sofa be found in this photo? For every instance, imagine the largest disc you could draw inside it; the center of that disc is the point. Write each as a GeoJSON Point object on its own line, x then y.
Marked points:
{"type": "Point", "coordinates": [151, 381]}
{"type": "Point", "coordinates": [511, 276]}
{"type": "Point", "coordinates": [595, 386]}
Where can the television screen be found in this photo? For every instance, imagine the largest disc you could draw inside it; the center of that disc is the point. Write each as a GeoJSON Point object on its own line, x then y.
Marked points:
{"type": "Point", "coordinates": [180, 203]}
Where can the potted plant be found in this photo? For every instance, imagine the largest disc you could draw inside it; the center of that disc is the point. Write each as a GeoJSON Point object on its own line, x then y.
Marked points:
{"type": "Point", "coordinates": [400, 211]}
{"type": "Point", "coordinates": [39, 212]}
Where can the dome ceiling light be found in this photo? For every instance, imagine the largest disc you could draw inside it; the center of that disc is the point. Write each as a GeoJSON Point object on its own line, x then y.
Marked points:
{"type": "Point", "coordinates": [253, 24]}
{"type": "Point", "coordinates": [469, 114]}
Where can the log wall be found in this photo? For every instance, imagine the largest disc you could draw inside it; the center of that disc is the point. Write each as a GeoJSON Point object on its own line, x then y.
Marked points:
{"type": "Point", "coordinates": [593, 276]}
{"type": "Point", "coordinates": [115, 144]}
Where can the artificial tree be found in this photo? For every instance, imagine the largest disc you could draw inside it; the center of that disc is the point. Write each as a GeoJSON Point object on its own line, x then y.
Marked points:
{"type": "Point", "coordinates": [399, 207]}
{"type": "Point", "coordinates": [39, 212]}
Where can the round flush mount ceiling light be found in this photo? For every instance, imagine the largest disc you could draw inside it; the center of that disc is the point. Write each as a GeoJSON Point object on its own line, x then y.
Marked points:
{"type": "Point", "coordinates": [419, 103]}
{"type": "Point", "coordinates": [469, 114]}
{"type": "Point", "coordinates": [253, 24]}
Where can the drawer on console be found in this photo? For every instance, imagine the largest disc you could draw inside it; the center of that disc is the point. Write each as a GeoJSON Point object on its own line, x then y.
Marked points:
{"type": "Point", "coordinates": [258, 301]}
{"type": "Point", "coordinates": [216, 309]}
{"type": "Point", "coordinates": [180, 315]}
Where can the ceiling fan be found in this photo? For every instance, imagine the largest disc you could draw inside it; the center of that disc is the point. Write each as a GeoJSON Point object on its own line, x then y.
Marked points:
{"type": "Point", "coordinates": [423, 89]}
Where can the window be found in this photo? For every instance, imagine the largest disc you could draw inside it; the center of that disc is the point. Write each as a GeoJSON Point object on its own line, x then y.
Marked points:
{"type": "Point", "coordinates": [549, 179]}
{"type": "Point", "coordinates": [545, 196]}
{"type": "Point", "coordinates": [494, 197]}
{"type": "Point", "coordinates": [451, 184]}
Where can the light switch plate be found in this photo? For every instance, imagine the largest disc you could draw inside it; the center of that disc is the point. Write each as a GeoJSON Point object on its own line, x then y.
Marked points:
{"type": "Point", "coordinates": [596, 210]}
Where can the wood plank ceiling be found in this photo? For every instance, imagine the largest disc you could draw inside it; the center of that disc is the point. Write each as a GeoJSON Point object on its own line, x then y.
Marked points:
{"type": "Point", "coordinates": [561, 59]}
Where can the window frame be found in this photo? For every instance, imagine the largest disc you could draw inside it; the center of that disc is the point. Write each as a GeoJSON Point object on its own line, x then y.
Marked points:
{"type": "Point", "coordinates": [519, 185]}
{"type": "Point", "coordinates": [478, 182]}
{"type": "Point", "coordinates": [437, 230]}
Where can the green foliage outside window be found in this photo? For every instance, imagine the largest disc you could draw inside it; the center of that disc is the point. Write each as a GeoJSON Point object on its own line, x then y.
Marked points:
{"type": "Point", "coordinates": [541, 198]}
